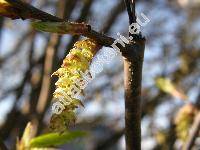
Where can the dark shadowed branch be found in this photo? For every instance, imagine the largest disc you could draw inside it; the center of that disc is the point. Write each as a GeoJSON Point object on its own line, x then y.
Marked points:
{"type": "Point", "coordinates": [130, 6]}
{"type": "Point", "coordinates": [132, 84]}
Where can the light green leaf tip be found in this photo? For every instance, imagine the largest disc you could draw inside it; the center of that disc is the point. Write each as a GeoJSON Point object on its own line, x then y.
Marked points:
{"type": "Point", "coordinates": [52, 27]}
{"type": "Point", "coordinates": [55, 139]}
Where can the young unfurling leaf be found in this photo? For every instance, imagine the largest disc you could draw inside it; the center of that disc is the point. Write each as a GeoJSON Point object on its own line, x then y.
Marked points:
{"type": "Point", "coordinates": [28, 134]}
{"type": "Point", "coordinates": [61, 27]}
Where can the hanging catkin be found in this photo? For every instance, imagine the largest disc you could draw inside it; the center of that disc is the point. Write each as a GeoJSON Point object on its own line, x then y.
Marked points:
{"type": "Point", "coordinates": [78, 60]}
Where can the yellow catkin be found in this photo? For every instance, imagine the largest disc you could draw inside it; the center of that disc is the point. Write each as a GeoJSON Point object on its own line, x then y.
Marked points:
{"type": "Point", "coordinates": [78, 60]}
{"type": "Point", "coordinates": [184, 119]}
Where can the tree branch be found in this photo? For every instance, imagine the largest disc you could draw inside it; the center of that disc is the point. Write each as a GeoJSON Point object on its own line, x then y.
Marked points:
{"type": "Point", "coordinates": [130, 7]}
{"type": "Point", "coordinates": [132, 85]}
{"type": "Point", "coordinates": [26, 11]}
{"type": "Point", "coordinates": [133, 10]}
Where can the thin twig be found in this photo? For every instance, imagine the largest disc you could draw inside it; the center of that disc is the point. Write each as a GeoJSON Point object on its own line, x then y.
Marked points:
{"type": "Point", "coordinates": [133, 10]}
{"type": "Point", "coordinates": [130, 6]}
{"type": "Point", "coordinates": [129, 10]}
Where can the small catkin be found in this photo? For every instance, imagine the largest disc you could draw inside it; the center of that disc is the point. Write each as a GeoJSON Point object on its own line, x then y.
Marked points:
{"type": "Point", "coordinates": [184, 119]}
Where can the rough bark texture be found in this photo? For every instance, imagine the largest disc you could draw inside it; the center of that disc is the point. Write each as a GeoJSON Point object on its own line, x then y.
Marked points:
{"type": "Point", "coordinates": [132, 83]}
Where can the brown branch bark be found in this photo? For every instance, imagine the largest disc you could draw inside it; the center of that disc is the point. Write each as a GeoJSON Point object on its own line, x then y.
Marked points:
{"type": "Point", "coordinates": [132, 84]}
{"type": "Point", "coordinates": [130, 7]}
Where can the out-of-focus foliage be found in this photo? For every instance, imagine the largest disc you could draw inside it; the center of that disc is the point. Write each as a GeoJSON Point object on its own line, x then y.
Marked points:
{"type": "Point", "coordinates": [167, 86]}
{"type": "Point", "coordinates": [161, 138]}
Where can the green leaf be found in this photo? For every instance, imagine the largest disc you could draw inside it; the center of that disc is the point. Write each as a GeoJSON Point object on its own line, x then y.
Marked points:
{"type": "Point", "coordinates": [55, 139]}
{"type": "Point", "coordinates": [61, 27]}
